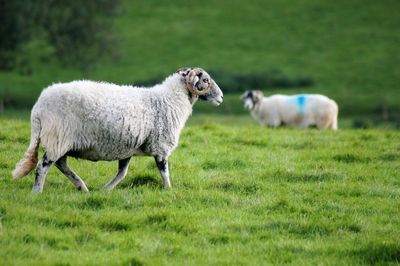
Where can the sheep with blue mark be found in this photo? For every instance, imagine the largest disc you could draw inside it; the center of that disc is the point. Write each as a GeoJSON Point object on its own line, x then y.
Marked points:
{"type": "Point", "coordinates": [300, 111]}
{"type": "Point", "coordinates": [103, 121]}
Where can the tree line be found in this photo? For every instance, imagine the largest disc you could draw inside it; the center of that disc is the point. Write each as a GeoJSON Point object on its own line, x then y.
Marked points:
{"type": "Point", "coordinates": [77, 33]}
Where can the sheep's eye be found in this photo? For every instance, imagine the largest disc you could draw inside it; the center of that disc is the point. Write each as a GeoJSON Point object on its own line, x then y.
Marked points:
{"type": "Point", "coordinates": [205, 80]}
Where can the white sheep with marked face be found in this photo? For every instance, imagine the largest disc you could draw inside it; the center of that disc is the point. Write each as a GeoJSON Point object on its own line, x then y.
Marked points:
{"type": "Point", "coordinates": [301, 111]}
{"type": "Point", "coordinates": [103, 121]}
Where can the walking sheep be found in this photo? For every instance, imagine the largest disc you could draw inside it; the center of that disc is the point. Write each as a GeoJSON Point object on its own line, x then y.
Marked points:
{"type": "Point", "coordinates": [297, 110]}
{"type": "Point", "coordinates": [103, 121]}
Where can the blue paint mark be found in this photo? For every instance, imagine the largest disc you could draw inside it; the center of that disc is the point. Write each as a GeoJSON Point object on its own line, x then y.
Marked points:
{"type": "Point", "coordinates": [301, 103]}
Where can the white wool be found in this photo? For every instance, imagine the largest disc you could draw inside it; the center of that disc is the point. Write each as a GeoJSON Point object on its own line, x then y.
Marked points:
{"type": "Point", "coordinates": [295, 110]}
{"type": "Point", "coordinates": [111, 122]}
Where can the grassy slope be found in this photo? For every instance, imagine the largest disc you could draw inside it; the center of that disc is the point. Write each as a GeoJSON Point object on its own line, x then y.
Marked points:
{"type": "Point", "coordinates": [349, 47]}
{"type": "Point", "coordinates": [242, 195]}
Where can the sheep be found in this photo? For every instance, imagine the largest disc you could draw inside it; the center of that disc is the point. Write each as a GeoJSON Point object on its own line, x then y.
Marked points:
{"type": "Point", "coordinates": [103, 121]}
{"type": "Point", "coordinates": [301, 110]}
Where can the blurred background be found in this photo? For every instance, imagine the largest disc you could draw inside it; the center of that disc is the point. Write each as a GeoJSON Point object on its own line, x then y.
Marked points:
{"type": "Point", "coordinates": [345, 49]}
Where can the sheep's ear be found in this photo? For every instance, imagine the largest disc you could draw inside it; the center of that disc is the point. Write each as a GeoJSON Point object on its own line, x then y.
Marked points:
{"type": "Point", "coordinates": [258, 95]}
{"type": "Point", "coordinates": [184, 71]}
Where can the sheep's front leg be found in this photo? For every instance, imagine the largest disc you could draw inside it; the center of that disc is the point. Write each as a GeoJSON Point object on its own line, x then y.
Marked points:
{"type": "Point", "coordinates": [162, 165]}
{"type": "Point", "coordinates": [62, 165]}
{"type": "Point", "coordinates": [40, 175]}
{"type": "Point", "coordinates": [122, 171]}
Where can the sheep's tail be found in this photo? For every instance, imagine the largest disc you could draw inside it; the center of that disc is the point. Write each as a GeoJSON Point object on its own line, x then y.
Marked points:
{"type": "Point", "coordinates": [334, 124]}
{"type": "Point", "coordinates": [28, 163]}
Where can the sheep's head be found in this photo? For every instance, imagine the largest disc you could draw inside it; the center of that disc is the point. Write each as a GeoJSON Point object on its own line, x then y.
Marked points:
{"type": "Point", "coordinates": [199, 83]}
{"type": "Point", "coordinates": [251, 98]}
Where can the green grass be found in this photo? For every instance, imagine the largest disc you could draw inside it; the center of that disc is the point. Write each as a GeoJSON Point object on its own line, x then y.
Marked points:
{"type": "Point", "coordinates": [242, 195]}
{"type": "Point", "coordinates": [348, 47]}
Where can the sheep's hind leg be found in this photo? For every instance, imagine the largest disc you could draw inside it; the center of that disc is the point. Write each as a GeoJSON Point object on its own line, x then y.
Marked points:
{"type": "Point", "coordinates": [62, 165]}
{"type": "Point", "coordinates": [40, 175]}
{"type": "Point", "coordinates": [122, 171]}
{"type": "Point", "coordinates": [162, 165]}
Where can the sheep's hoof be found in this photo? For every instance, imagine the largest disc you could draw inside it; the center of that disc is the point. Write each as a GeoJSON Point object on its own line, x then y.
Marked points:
{"type": "Point", "coordinates": [105, 189]}
{"type": "Point", "coordinates": [83, 189]}
{"type": "Point", "coordinates": [36, 190]}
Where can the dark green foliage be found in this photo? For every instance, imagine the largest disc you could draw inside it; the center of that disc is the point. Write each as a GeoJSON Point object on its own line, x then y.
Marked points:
{"type": "Point", "coordinates": [79, 31]}
{"type": "Point", "coordinates": [239, 82]}
{"type": "Point", "coordinates": [361, 123]}
{"type": "Point", "coordinates": [15, 28]}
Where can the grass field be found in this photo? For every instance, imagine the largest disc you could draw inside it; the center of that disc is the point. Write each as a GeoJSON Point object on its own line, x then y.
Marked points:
{"type": "Point", "coordinates": [242, 195]}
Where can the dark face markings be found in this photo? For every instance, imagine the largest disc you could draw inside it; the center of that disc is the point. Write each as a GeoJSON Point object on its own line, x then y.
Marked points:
{"type": "Point", "coordinates": [249, 95]}
{"type": "Point", "coordinates": [203, 97]}
{"type": "Point", "coordinates": [202, 83]}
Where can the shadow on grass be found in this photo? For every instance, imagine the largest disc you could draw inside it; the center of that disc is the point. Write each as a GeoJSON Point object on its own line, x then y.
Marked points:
{"type": "Point", "coordinates": [301, 230]}
{"type": "Point", "coordinates": [390, 157]}
{"type": "Point", "coordinates": [219, 240]}
{"type": "Point", "coordinates": [307, 145]}
{"type": "Point", "coordinates": [306, 177]}
{"type": "Point", "coordinates": [236, 188]}
{"type": "Point", "coordinates": [3, 213]}
{"type": "Point", "coordinates": [94, 202]}
{"type": "Point", "coordinates": [350, 158]}
{"type": "Point", "coordinates": [59, 223]}
{"type": "Point", "coordinates": [223, 164]}
{"type": "Point", "coordinates": [138, 181]}
{"type": "Point", "coordinates": [251, 142]}
{"type": "Point", "coordinates": [134, 262]}
{"type": "Point", "coordinates": [377, 253]}
{"type": "Point", "coordinates": [114, 226]}
{"type": "Point", "coordinates": [164, 223]}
